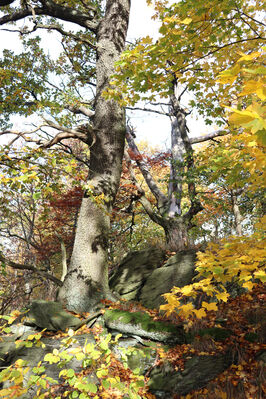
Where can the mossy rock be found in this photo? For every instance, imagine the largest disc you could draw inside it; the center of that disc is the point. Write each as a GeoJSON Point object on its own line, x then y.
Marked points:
{"type": "Point", "coordinates": [50, 315]}
{"type": "Point", "coordinates": [178, 271]}
{"type": "Point", "coordinates": [218, 334]}
{"type": "Point", "coordinates": [142, 325]}
{"type": "Point", "coordinates": [141, 358]}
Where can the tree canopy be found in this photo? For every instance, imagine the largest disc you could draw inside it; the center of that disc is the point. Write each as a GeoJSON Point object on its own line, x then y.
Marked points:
{"type": "Point", "coordinates": [77, 188]}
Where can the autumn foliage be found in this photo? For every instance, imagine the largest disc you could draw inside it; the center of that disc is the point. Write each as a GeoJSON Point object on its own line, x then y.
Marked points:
{"type": "Point", "coordinates": [215, 51]}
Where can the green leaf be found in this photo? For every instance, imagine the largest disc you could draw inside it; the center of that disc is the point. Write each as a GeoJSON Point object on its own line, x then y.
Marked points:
{"type": "Point", "coordinates": [105, 384]}
{"type": "Point", "coordinates": [70, 373]}
{"type": "Point", "coordinates": [91, 387]}
{"type": "Point", "coordinates": [37, 195]}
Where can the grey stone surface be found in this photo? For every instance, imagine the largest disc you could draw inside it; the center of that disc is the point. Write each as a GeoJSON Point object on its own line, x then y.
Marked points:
{"type": "Point", "coordinates": [143, 277]}
{"type": "Point", "coordinates": [177, 271]}
{"type": "Point", "coordinates": [50, 315]}
{"type": "Point", "coordinates": [10, 352]}
{"type": "Point", "coordinates": [165, 381]}
{"type": "Point", "coordinates": [133, 271]}
{"type": "Point", "coordinates": [198, 371]}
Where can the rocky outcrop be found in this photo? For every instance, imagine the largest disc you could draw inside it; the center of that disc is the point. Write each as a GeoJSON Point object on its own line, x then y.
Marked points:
{"type": "Point", "coordinates": [143, 277]}
{"type": "Point", "coordinates": [132, 273]}
{"type": "Point", "coordinates": [166, 382]}
{"type": "Point", "coordinates": [23, 347]}
{"type": "Point", "coordinates": [49, 315]}
{"type": "Point", "coordinates": [141, 334]}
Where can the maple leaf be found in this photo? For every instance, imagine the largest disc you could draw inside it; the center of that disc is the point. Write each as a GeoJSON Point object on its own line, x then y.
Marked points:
{"type": "Point", "coordinates": [223, 296]}
{"type": "Point", "coordinates": [249, 285]}
{"type": "Point", "coordinates": [200, 313]}
{"type": "Point", "coordinates": [261, 275]}
{"type": "Point", "coordinates": [209, 306]}
{"type": "Point", "coordinates": [187, 289]}
{"type": "Point", "coordinates": [187, 309]}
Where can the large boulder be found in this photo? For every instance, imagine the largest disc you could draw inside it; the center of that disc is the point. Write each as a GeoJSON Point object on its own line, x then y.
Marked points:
{"type": "Point", "coordinates": [178, 271]}
{"type": "Point", "coordinates": [143, 277]}
{"type": "Point", "coordinates": [33, 353]}
{"type": "Point", "coordinates": [133, 272]}
{"type": "Point", "coordinates": [50, 315]}
{"type": "Point", "coordinates": [166, 382]}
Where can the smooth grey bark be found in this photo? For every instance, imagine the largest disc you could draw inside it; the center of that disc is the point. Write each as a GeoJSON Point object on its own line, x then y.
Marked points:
{"type": "Point", "coordinates": [87, 279]}
{"type": "Point", "coordinates": [237, 213]}
{"type": "Point", "coordinates": [168, 213]}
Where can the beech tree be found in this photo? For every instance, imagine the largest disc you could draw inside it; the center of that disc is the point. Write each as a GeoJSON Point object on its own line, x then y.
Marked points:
{"type": "Point", "coordinates": [196, 44]}
{"type": "Point", "coordinates": [75, 98]}
{"type": "Point", "coordinates": [90, 52]}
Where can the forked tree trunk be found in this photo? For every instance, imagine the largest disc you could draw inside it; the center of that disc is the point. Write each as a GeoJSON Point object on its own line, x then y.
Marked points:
{"type": "Point", "coordinates": [176, 234]}
{"type": "Point", "coordinates": [169, 211]}
{"type": "Point", "coordinates": [87, 279]}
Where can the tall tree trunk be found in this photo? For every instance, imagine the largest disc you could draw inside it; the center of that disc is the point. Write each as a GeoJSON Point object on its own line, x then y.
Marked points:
{"type": "Point", "coordinates": [87, 279]}
{"type": "Point", "coordinates": [237, 213]}
{"type": "Point", "coordinates": [176, 234]}
{"type": "Point", "coordinates": [169, 212]}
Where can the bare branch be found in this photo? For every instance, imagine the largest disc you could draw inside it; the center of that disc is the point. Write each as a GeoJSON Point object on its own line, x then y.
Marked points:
{"type": "Point", "coordinates": [161, 198]}
{"type": "Point", "coordinates": [208, 136]}
{"type": "Point", "coordinates": [80, 109]}
{"type": "Point", "coordinates": [148, 110]}
{"type": "Point", "coordinates": [182, 93]}
{"type": "Point", "coordinates": [22, 135]}
{"type": "Point", "coordinates": [50, 8]}
{"type": "Point", "coordinates": [142, 198]}
{"type": "Point", "coordinates": [56, 27]}
{"type": "Point", "coordinates": [20, 266]}
{"type": "Point", "coordinates": [85, 135]}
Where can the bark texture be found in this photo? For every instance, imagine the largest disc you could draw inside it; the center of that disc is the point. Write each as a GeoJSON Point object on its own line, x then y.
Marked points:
{"type": "Point", "coordinates": [237, 213]}
{"type": "Point", "coordinates": [87, 279]}
{"type": "Point", "coordinates": [168, 212]}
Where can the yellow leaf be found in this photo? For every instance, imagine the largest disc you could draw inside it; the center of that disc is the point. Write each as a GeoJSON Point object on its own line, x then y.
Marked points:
{"type": "Point", "coordinates": [240, 118]}
{"type": "Point", "coordinates": [209, 306]}
{"type": "Point", "coordinates": [251, 87]}
{"type": "Point", "coordinates": [187, 289]}
{"type": "Point", "coordinates": [252, 144]}
{"type": "Point", "coordinates": [223, 296]}
{"type": "Point", "coordinates": [261, 93]}
{"type": "Point", "coordinates": [187, 309]}
{"type": "Point", "coordinates": [229, 75]}
{"type": "Point", "coordinates": [186, 21]}
{"type": "Point", "coordinates": [249, 285]}
{"type": "Point", "coordinates": [199, 313]}
{"type": "Point", "coordinates": [227, 79]}
{"type": "Point", "coordinates": [260, 275]}
{"type": "Point", "coordinates": [249, 57]}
